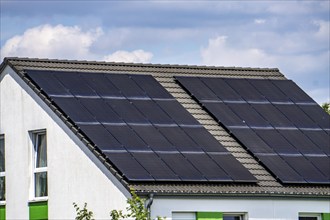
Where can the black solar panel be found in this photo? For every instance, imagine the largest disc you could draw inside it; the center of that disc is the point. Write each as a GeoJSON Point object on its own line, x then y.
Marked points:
{"type": "Point", "coordinates": [276, 141]}
{"type": "Point", "coordinates": [153, 138]}
{"type": "Point", "coordinates": [281, 169]}
{"type": "Point", "coordinates": [48, 83]}
{"type": "Point", "coordinates": [297, 116]}
{"type": "Point", "coordinates": [182, 167]}
{"type": "Point", "coordinates": [179, 139]}
{"type": "Point", "coordinates": [271, 92]}
{"type": "Point", "coordinates": [245, 90]}
{"type": "Point", "coordinates": [74, 109]}
{"type": "Point", "coordinates": [221, 89]}
{"type": "Point", "coordinates": [127, 111]}
{"type": "Point", "coordinates": [100, 110]}
{"type": "Point", "coordinates": [278, 123]}
{"type": "Point", "coordinates": [273, 115]}
{"type": "Point", "coordinates": [179, 114]}
{"type": "Point", "coordinates": [101, 85]}
{"type": "Point", "coordinates": [129, 166]}
{"type": "Point", "coordinates": [322, 164]}
{"type": "Point", "coordinates": [155, 166]}
{"type": "Point", "coordinates": [306, 169]}
{"type": "Point", "coordinates": [102, 138]}
{"type": "Point", "coordinates": [223, 114]}
{"type": "Point", "coordinates": [127, 137]}
{"type": "Point", "coordinates": [208, 167]}
{"type": "Point", "coordinates": [74, 83]}
{"type": "Point", "coordinates": [126, 85]}
{"type": "Point", "coordinates": [248, 115]}
{"type": "Point", "coordinates": [152, 88]}
{"type": "Point", "coordinates": [198, 89]}
{"type": "Point", "coordinates": [317, 114]}
{"type": "Point", "coordinates": [301, 142]}
{"type": "Point", "coordinates": [204, 139]}
{"type": "Point", "coordinates": [291, 90]}
{"type": "Point", "coordinates": [234, 169]}
{"type": "Point", "coordinates": [141, 129]}
{"type": "Point", "coordinates": [152, 112]}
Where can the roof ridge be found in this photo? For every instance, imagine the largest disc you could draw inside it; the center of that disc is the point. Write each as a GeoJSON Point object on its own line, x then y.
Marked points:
{"type": "Point", "coordinates": [147, 65]}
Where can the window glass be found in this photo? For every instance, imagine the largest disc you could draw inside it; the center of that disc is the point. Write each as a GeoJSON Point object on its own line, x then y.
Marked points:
{"type": "Point", "coordinates": [2, 154]}
{"type": "Point", "coordinates": [41, 150]}
{"type": "Point", "coordinates": [308, 218]}
{"type": "Point", "coordinates": [2, 188]}
{"type": "Point", "coordinates": [232, 216]}
{"type": "Point", "coordinates": [41, 184]}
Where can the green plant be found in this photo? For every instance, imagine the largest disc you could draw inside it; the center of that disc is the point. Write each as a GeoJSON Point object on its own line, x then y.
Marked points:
{"type": "Point", "coordinates": [326, 107]}
{"type": "Point", "coordinates": [83, 214]}
{"type": "Point", "coordinates": [135, 209]}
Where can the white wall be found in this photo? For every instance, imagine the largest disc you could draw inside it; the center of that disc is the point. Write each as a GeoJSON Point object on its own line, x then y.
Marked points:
{"type": "Point", "coordinates": [74, 173]}
{"type": "Point", "coordinates": [256, 209]}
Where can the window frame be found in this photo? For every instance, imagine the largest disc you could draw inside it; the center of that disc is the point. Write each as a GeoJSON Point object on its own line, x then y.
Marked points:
{"type": "Point", "coordinates": [3, 173]}
{"type": "Point", "coordinates": [34, 136]}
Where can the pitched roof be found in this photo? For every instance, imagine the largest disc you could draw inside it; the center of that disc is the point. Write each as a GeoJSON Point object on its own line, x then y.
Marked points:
{"type": "Point", "coordinates": [267, 185]}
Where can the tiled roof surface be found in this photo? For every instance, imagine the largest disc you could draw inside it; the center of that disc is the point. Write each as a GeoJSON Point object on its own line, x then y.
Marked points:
{"type": "Point", "coordinates": [267, 185]}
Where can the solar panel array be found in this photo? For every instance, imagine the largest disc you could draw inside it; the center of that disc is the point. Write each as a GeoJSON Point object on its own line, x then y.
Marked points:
{"type": "Point", "coordinates": [275, 120]}
{"type": "Point", "coordinates": [142, 130]}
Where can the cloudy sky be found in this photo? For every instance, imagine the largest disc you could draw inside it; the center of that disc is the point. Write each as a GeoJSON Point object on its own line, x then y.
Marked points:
{"type": "Point", "coordinates": [290, 35]}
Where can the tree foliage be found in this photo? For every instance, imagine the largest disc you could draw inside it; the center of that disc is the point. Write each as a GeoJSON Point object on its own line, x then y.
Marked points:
{"type": "Point", "coordinates": [135, 209]}
{"type": "Point", "coordinates": [326, 107]}
{"type": "Point", "coordinates": [83, 214]}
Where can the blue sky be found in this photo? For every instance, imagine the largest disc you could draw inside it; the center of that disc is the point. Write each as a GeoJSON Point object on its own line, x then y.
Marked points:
{"type": "Point", "coordinates": [290, 35]}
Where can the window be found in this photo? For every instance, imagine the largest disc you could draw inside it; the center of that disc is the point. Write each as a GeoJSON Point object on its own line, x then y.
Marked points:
{"type": "Point", "coordinates": [2, 169]}
{"type": "Point", "coordinates": [232, 217]}
{"type": "Point", "coordinates": [310, 216]}
{"type": "Point", "coordinates": [40, 164]}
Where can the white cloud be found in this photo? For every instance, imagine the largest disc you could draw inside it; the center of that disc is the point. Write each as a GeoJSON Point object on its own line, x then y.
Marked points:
{"type": "Point", "coordinates": [219, 53]}
{"type": "Point", "coordinates": [52, 42]}
{"type": "Point", "coordinates": [66, 42]}
{"type": "Point", "coordinates": [323, 31]}
{"type": "Point", "coordinates": [259, 21]}
{"type": "Point", "coordinates": [136, 56]}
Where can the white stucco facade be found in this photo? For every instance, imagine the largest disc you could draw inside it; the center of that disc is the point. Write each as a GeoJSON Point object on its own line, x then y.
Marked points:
{"type": "Point", "coordinates": [74, 173]}
{"type": "Point", "coordinates": [252, 208]}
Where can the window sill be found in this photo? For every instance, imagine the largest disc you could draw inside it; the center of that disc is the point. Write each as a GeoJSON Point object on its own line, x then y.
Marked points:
{"type": "Point", "coordinates": [41, 199]}
{"type": "Point", "coordinates": [2, 203]}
